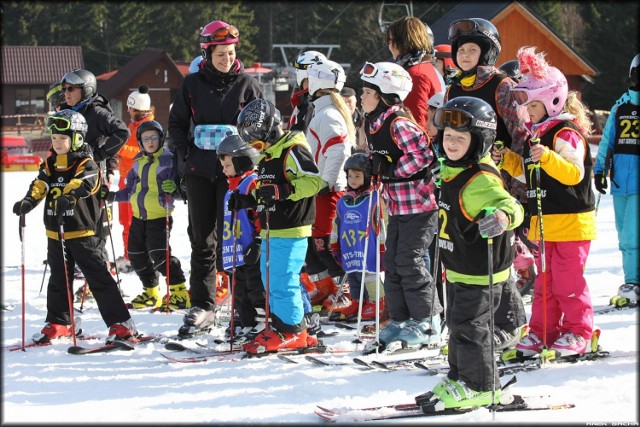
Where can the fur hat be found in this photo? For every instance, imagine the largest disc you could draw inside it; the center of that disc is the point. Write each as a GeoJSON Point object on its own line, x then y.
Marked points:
{"type": "Point", "coordinates": [140, 99]}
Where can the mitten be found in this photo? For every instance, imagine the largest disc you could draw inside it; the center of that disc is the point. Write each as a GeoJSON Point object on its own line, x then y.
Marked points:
{"type": "Point", "coordinates": [601, 183]}
{"type": "Point", "coordinates": [24, 206]}
{"type": "Point", "coordinates": [168, 186]}
{"type": "Point", "coordinates": [241, 201]}
{"type": "Point", "coordinates": [270, 193]}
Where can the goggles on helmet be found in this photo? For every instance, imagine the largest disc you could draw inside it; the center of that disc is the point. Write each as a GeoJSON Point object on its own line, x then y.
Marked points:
{"type": "Point", "coordinates": [459, 120]}
{"type": "Point", "coordinates": [220, 35]}
{"type": "Point", "coordinates": [59, 123]}
{"type": "Point", "coordinates": [462, 27]}
{"type": "Point", "coordinates": [369, 70]}
{"type": "Point", "coordinates": [321, 74]}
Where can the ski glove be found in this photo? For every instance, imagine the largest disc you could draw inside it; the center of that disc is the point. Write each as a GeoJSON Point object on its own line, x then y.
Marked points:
{"type": "Point", "coordinates": [494, 224]}
{"type": "Point", "coordinates": [270, 193]}
{"type": "Point", "coordinates": [168, 186]}
{"type": "Point", "coordinates": [241, 201]}
{"type": "Point", "coordinates": [252, 252]}
{"type": "Point", "coordinates": [24, 206]}
{"type": "Point", "coordinates": [62, 204]}
{"type": "Point", "coordinates": [382, 166]}
{"type": "Point", "coordinates": [601, 183]}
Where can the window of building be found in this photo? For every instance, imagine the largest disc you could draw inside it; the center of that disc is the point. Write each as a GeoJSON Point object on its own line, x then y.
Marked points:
{"type": "Point", "coordinates": [30, 101]}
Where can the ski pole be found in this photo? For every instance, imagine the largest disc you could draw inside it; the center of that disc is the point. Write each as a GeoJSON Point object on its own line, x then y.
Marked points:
{"type": "Point", "coordinates": [232, 326]}
{"type": "Point", "coordinates": [377, 230]}
{"type": "Point", "coordinates": [267, 269]}
{"type": "Point", "coordinates": [21, 227]}
{"type": "Point", "coordinates": [66, 279]}
{"type": "Point", "coordinates": [492, 408]}
{"type": "Point", "coordinates": [167, 250]}
{"type": "Point", "coordinates": [44, 274]}
{"type": "Point", "coordinates": [544, 355]}
{"type": "Point", "coordinates": [364, 258]}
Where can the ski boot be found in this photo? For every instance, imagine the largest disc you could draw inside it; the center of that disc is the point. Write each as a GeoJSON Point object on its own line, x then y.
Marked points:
{"type": "Point", "coordinates": [52, 331]}
{"type": "Point", "coordinates": [628, 295]}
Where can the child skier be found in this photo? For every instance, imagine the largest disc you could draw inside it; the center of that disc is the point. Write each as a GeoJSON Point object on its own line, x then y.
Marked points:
{"type": "Point", "coordinates": [149, 188]}
{"type": "Point", "coordinates": [288, 180]}
{"type": "Point", "coordinates": [349, 233]}
{"type": "Point", "coordinates": [401, 157]}
{"type": "Point", "coordinates": [69, 181]}
{"type": "Point", "coordinates": [472, 188]}
{"type": "Point", "coordinates": [558, 122]}
{"type": "Point", "coordinates": [242, 228]}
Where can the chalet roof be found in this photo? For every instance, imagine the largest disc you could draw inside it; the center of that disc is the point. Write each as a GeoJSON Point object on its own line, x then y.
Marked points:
{"type": "Point", "coordinates": [121, 80]}
{"type": "Point", "coordinates": [39, 64]}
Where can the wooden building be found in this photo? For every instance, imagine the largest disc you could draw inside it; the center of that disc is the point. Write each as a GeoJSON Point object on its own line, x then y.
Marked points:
{"type": "Point", "coordinates": [519, 26]}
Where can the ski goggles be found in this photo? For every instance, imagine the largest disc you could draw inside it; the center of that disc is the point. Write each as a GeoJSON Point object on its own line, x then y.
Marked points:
{"type": "Point", "coordinates": [312, 72]}
{"type": "Point", "coordinates": [462, 27]}
{"type": "Point", "coordinates": [521, 97]}
{"type": "Point", "coordinates": [369, 70]}
{"type": "Point", "coordinates": [258, 145]}
{"type": "Point", "coordinates": [58, 123]}
{"type": "Point", "coordinates": [221, 34]}
{"type": "Point", "coordinates": [459, 120]}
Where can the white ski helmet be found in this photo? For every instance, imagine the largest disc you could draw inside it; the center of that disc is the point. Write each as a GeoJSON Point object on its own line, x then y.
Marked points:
{"type": "Point", "coordinates": [437, 100]}
{"type": "Point", "coordinates": [303, 61]}
{"type": "Point", "coordinates": [388, 78]}
{"type": "Point", "coordinates": [325, 74]}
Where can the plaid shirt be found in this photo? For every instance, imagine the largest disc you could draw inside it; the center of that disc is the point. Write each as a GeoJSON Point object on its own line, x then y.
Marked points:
{"type": "Point", "coordinates": [410, 197]}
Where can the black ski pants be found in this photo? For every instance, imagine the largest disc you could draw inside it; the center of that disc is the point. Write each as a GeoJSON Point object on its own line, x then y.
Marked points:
{"type": "Point", "coordinates": [468, 315]}
{"type": "Point", "coordinates": [88, 254]}
{"type": "Point", "coordinates": [249, 293]}
{"type": "Point", "coordinates": [408, 286]}
{"type": "Point", "coordinates": [205, 198]}
{"type": "Point", "coordinates": [148, 254]}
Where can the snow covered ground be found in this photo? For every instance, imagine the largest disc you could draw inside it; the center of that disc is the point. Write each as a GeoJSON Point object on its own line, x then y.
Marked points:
{"type": "Point", "coordinates": [48, 385]}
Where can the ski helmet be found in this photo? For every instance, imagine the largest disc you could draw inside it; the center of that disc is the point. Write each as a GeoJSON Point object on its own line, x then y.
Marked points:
{"type": "Point", "coordinates": [140, 99]}
{"type": "Point", "coordinates": [325, 74]}
{"type": "Point", "coordinates": [303, 61]}
{"type": "Point", "coordinates": [259, 121]}
{"type": "Point", "coordinates": [437, 100]}
{"type": "Point", "coordinates": [478, 31]}
{"type": "Point", "coordinates": [391, 80]}
{"type": "Point", "coordinates": [244, 156]}
{"type": "Point", "coordinates": [633, 70]}
{"type": "Point", "coordinates": [149, 125]}
{"type": "Point", "coordinates": [467, 113]}
{"type": "Point", "coordinates": [443, 51]}
{"type": "Point", "coordinates": [69, 123]}
{"type": "Point", "coordinates": [551, 90]}
{"type": "Point", "coordinates": [55, 96]}
{"type": "Point", "coordinates": [195, 64]}
{"type": "Point", "coordinates": [359, 162]}
{"type": "Point", "coordinates": [215, 33]}
{"type": "Point", "coordinates": [83, 78]}
{"type": "Point", "coordinates": [431, 38]}
{"type": "Point", "coordinates": [512, 69]}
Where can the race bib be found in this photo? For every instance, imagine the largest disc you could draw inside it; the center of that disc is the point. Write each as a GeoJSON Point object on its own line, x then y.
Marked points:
{"type": "Point", "coordinates": [209, 137]}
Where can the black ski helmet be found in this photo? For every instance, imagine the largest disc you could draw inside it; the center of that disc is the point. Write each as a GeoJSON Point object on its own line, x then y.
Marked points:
{"type": "Point", "coordinates": [359, 162]}
{"type": "Point", "coordinates": [478, 31]}
{"type": "Point", "coordinates": [633, 70]}
{"type": "Point", "coordinates": [55, 96]}
{"type": "Point", "coordinates": [149, 125]}
{"type": "Point", "coordinates": [258, 121]}
{"type": "Point", "coordinates": [243, 156]}
{"type": "Point", "coordinates": [512, 69]}
{"type": "Point", "coordinates": [467, 113]}
{"type": "Point", "coordinates": [83, 78]}
{"type": "Point", "coordinates": [69, 123]}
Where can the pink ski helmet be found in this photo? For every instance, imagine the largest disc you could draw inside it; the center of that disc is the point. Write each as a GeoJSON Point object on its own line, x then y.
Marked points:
{"type": "Point", "coordinates": [217, 32]}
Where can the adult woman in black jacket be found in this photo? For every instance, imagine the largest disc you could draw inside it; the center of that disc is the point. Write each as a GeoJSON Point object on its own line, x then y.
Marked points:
{"type": "Point", "coordinates": [206, 104]}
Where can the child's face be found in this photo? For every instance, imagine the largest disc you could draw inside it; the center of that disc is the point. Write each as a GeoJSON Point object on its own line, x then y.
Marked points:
{"type": "Point", "coordinates": [369, 99]}
{"type": "Point", "coordinates": [61, 143]}
{"type": "Point", "coordinates": [431, 129]}
{"type": "Point", "coordinates": [536, 111]}
{"type": "Point", "coordinates": [150, 140]}
{"type": "Point", "coordinates": [455, 143]}
{"type": "Point", "coordinates": [227, 166]}
{"type": "Point", "coordinates": [355, 178]}
{"type": "Point", "coordinates": [468, 56]}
